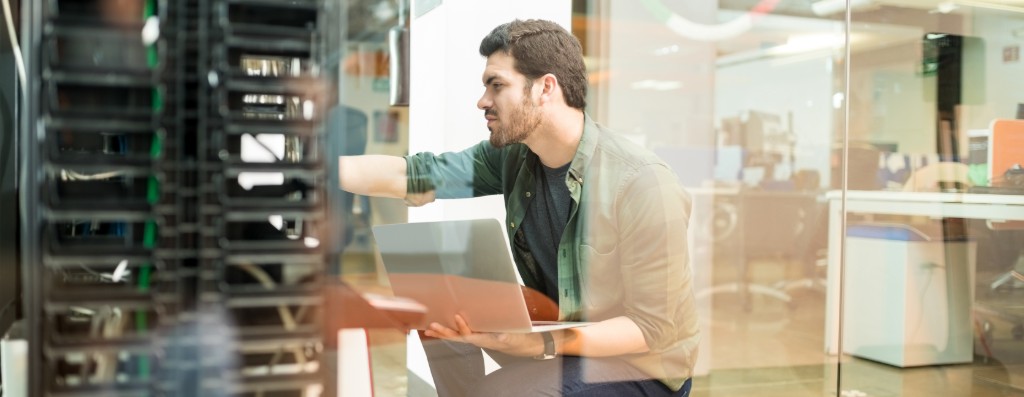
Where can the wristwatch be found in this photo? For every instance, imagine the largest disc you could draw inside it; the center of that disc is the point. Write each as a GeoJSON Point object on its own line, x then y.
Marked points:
{"type": "Point", "coordinates": [549, 347]}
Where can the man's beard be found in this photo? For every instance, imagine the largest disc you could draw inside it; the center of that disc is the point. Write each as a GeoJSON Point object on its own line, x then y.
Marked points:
{"type": "Point", "coordinates": [516, 126]}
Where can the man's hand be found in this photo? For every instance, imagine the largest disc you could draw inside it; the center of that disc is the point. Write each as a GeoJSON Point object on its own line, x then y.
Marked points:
{"type": "Point", "coordinates": [420, 199]}
{"type": "Point", "coordinates": [523, 345]}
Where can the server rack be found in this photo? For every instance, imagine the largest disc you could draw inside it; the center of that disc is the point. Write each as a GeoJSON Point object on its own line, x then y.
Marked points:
{"type": "Point", "coordinates": [95, 130]}
{"type": "Point", "coordinates": [173, 198]}
{"type": "Point", "coordinates": [262, 196]}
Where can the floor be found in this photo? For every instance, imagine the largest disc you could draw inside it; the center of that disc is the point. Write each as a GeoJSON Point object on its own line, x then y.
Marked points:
{"type": "Point", "coordinates": [776, 350]}
{"type": "Point", "coordinates": [764, 347]}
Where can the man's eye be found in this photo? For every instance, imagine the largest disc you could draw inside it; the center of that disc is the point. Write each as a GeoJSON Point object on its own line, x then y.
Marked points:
{"type": "Point", "coordinates": [496, 85]}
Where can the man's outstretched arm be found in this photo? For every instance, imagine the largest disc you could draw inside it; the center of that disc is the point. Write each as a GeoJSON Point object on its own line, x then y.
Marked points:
{"type": "Point", "coordinates": [373, 175]}
{"type": "Point", "coordinates": [378, 176]}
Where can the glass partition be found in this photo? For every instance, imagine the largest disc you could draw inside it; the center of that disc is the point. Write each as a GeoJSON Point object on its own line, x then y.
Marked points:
{"type": "Point", "coordinates": [854, 167]}
{"type": "Point", "coordinates": [931, 282]}
{"type": "Point", "coordinates": [365, 121]}
{"type": "Point", "coordinates": [744, 100]}
{"type": "Point", "coordinates": [856, 184]}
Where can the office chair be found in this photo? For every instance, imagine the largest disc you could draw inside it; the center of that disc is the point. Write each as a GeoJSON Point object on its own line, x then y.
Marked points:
{"type": "Point", "coordinates": [746, 224]}
{"type": "Point", "coordinates": [1013, 178]}
{"type": "Point", "coordinates": [1012, 279]}
{"type": "Point", "coordinates": [1014, 275]}
{"type": "Point", "coordinates": [999, 300]}
{"type": "Point", "coordinates": [810, 244]}
{"type": "Point", "coordinates": [787, 226]}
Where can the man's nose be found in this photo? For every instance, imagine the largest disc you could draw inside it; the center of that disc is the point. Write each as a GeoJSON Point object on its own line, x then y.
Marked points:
{"type": "Point", "coordinates": [484, 103]}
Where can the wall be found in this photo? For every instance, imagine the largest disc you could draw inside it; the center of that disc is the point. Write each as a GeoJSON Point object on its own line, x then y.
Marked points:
{"type": "Point", "coordinates": [446, 70]}
{"type": "Point", "coordinates": [890, 100]}
{"type": "Point", "coordinates": [1003, 85]}
{"type": "Point", "coordinates": [659, 82]}
{"type": "Point", "coordinates": [803, 87]}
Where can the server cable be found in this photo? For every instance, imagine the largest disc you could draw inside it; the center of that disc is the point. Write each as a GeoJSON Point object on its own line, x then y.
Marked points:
{"type": "Point", "coordinates": [19, 65]}
{"type": "Point", "coordinates": [19, 61]}
{"type": "Point", "coordinates": [287, 319]}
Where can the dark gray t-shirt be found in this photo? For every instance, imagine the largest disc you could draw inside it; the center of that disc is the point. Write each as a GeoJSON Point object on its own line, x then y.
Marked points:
{"type": "Point", "coordinates": [545, 220]}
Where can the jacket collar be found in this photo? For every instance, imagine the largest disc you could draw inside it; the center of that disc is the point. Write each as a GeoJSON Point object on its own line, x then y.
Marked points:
{"type": "Point", "coordinates": [585, 150]}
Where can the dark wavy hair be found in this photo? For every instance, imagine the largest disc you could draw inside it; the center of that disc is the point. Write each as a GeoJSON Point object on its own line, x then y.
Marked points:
{"type": "Point", "coordinates": [540, 47]}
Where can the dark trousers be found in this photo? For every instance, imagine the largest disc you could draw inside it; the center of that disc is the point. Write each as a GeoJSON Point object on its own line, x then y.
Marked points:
{"type": "Point", "coordinates": [458, 371]}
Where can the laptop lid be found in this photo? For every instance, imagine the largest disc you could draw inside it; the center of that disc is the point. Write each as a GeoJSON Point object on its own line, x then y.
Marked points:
{"type": "Point", "coordinates": [455, 267]}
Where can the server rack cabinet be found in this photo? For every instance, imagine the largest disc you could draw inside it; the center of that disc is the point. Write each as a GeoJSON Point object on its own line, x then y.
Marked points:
{"type": "Point", "coordinates": [95, 183]}
{"type": "Point", "coordinates": [174, 198]}
{"type": "Point", "coordinates": [262, 198]}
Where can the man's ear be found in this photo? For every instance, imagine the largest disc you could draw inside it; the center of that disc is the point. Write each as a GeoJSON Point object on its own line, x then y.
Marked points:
{"type": "Point", "coordinates": [549, 88]}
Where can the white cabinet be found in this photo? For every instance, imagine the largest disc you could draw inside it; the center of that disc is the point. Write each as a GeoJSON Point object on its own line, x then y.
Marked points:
{"type": "Point", "coordinates": [908, 303]}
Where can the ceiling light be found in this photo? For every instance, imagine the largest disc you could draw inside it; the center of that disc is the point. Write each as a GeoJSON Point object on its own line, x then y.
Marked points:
{"type": "Point", "coordinates": [829, 7]}
{"type": "Point", "coordinates": [656, 85]}
{"type": "Point", "coordinates": [989, 5]}
{"type": "Point", "coordinates": [946, 7]}
{"type": "Point", "coordinates": [667, 50]}
{"type": "Point", "coordinates": [808, 43]}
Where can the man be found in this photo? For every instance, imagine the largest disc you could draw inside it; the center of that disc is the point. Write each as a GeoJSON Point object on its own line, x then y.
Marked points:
{"type": "Point", "coordinates": [596, 224]}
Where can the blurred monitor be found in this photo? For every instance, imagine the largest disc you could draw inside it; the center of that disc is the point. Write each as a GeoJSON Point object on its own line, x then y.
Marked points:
{"type": "Point", "coordinates": [862, 166]}
{"type": "Point", "coordinates": [760, 128]}
{"type": "Point", "coordinates": [958, 64]}
{"type": "Point", "coordinates": [977, 156]}
{"type": "Point", "coordinates": [731, 131]}
{"type": "Point", "coordinates": [694, 166]}
{"type": "Point", "coordinates": [701, 166]}
{"type": "Point", "coordinates": [728, 163]}
{"type": "Point", "coordinates": [887, 147]}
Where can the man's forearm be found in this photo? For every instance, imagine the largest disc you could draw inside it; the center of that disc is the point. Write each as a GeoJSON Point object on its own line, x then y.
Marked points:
{"type": "Point", "coordinates": [373, 175]}
{"type": "Point", "coordinates": [612, 337]}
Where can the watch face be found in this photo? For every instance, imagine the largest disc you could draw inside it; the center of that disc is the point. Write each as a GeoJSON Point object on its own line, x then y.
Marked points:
{"type": "Point", "coordinates": [545, 356]}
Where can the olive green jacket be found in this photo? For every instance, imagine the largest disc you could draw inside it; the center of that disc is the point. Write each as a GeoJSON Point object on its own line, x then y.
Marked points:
{"type": "Point", "coordinates": [624, 250]}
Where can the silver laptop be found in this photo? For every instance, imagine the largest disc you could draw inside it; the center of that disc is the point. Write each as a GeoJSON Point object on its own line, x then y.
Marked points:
{"type": "Point", "coordinates": [459, 267]}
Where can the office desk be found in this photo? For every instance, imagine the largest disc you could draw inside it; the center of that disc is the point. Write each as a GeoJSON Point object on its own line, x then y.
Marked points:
{"type": "Point", "coordinates": [993, 207]}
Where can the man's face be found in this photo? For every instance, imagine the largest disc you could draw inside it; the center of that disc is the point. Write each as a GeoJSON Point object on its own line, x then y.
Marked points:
{"type": "Point", "coordinates": [508, 104]}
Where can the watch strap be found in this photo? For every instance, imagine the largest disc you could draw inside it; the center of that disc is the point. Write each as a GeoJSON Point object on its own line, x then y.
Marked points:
{"type": "Point", "coordinates": [549, 347]}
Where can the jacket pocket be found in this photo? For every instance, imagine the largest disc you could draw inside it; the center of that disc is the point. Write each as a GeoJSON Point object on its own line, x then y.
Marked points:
{"type": "Point", "coordinates": [601, 282]}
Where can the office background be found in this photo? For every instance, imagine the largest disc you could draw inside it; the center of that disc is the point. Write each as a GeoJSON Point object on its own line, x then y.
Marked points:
{"type": "Point", "coordinates": [857, 217]}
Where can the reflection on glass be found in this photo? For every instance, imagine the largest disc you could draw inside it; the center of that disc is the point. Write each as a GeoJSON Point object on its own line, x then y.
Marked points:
{"type": "Point", "coordinates": [774, 125]}
{"type": "Point", "coordinates": [743, 100]}
{"type": "Point", "coordinates": [359, 121]}
{"type": "Point", "coordinates": [932, 226]}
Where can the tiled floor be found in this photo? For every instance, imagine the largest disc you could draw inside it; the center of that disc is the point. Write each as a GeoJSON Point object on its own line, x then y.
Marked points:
{"type": "Point", "coordinates": [771, 348]}
{"type": "Point", "coordinates": [776, 350]}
